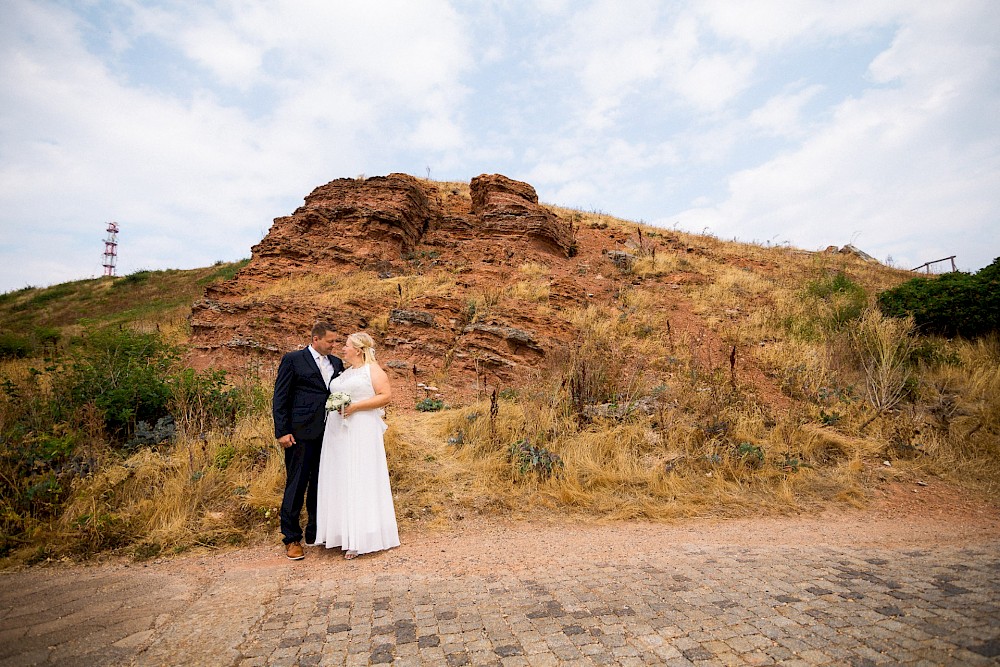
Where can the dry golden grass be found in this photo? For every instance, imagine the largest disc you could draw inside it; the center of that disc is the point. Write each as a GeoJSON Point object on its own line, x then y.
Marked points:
{"type": "Point", "coordinates": [335, 290]}
{"type": "Point", "coordinates": [636, 469]}
{"type": "Point", "coordinates": [420, 285]}
{"type": "Point", "coordinates": [326, 290]}
{"type": "Point", "coordinates": [290, 287]}
{"type": "Point", "coordinates": [534, 288]}
{"type": "Point", "coordinates": [669, 263]}
{"type": "Point", "coordinates": [530, 291]}
{"type": "Point", "coordinates": [379, 323]}
{"type": "Point", "coordinates": [195, 492]}
{"type": "Point", "coordinates": [700, 443]}
{"type": "Point", "coordinates": [684, 459]}
{"type": "Point", "coordinates": [960, 416]}
{"type": "Point", "coordinates": [449, 188]}
{"type": "Point", "coordinates": [884, 346]}
{"type": "Point", "coordinates": [734, 288]}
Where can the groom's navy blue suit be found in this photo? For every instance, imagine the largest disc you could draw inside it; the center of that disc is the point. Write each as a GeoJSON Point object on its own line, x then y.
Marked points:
{"type": "Point", "coordinates": [299, 408]}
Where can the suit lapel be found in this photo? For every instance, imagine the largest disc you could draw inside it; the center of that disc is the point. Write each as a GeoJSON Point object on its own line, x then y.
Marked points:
{"type": "Point", "coordinates": [313, 364]}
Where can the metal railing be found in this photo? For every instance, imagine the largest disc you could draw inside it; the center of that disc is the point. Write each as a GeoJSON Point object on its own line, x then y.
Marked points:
{"type": "Point", "coordinates": [927, 265]}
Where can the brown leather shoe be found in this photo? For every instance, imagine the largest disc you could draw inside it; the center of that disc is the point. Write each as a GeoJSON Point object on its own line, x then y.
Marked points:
{"type": "Point", "coordinates": [293, 551]}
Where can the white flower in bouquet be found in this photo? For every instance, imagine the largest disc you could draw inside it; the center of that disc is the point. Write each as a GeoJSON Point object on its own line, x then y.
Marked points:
{"type": "Point", "coordinates": [338, 400]}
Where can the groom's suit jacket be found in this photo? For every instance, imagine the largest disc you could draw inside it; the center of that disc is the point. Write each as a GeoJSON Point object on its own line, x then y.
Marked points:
{"type": "Point", "coordinates": [300, 395]}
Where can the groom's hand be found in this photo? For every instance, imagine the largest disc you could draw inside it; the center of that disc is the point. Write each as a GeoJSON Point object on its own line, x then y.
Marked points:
{"type": "Point", "coordinates": [286, 441]}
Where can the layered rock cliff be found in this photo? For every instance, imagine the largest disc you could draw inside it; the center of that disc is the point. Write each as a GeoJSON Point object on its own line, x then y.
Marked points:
{"type": "Point", "coordinates": [352, 255]}
{"type": "Point", "coordinates": [465, 287]}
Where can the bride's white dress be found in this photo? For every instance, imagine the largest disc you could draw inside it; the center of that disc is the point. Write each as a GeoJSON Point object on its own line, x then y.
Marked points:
{"type": "Point", "coordinates": [354, 509]}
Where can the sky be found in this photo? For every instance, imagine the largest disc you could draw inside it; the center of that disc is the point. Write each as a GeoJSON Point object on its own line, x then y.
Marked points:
{"type": "Point", "coordinates": [193, 125]}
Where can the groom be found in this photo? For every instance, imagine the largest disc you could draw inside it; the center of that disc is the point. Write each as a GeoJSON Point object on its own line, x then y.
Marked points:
{"type": "Point", "coordinates": [300, 392]}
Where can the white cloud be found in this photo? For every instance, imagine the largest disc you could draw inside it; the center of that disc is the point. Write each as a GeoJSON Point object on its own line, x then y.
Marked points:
{"type": "Point", "coordinates": [191, 175]}
{"type": "Point", "coordinates": [714, 79]}
{"type": "Point", "coordinates": [772, 24]}
{"type": "Point", "coordinates": [888, 171]}
{"type": "Point", "coordinates": [781, 116]}
{"type": "Point", "coordinates": [235, 61]}
{"type": "Point", "coordinates": [195, 125]}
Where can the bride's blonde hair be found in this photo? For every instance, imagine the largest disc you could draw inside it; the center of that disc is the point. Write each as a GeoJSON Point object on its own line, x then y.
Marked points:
{"type": "Point", "coordinates": [364, 344]}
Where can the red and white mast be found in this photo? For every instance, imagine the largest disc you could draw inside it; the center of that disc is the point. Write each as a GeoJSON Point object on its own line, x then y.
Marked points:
{"type": "Point", "coordinates": [111, 249]}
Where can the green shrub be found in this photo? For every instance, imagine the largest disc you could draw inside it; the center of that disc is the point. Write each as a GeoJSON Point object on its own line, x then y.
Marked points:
{"type": "Point", "coordinates": [13, 346]}
{"type": "Point", "coordinates": [844, 299]}
{"type": "Point", "coordinates": [146, 435]}
{"type": "Point", "coordinates": [132, 279]}
{"type": "Point", "coordinates": [534, 459]}
{"type": "Point", "coordinates": [224, 456]}
{"type": "Point", "coordinates": [46, 335]}
{"type": "Point", "coordinates": [114, 386]}
{"type": "Point", "coordinates": [751, 454]}
{"type": "Point", "coordinates": [124, 374]}
{"type": "Point", "coordinates": [202, 400]}
{"type": "Point", "coordinates": [430, 405]}
{"type": "Point", "coordinates": [952, 304]}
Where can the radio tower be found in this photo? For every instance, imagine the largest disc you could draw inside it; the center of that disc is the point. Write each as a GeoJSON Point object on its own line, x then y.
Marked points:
{"type": "Point", "coordinates": [111, 249]}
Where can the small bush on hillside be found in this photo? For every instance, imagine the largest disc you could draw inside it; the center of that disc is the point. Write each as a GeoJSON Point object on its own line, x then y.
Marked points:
{"type": "Point", "coordinates": [146, 435]}
{"type": "Point", "coordinates": [124, 374]}
{"type": "Point", "coordinates": [16, 346]}
{"type": "Point", "coordinates": [203, 400]}
{"type": "Point", "coordinates": [132, 279]}
{"type": "Point", "coordinates": [46, 335]}
{"type": "Point", "coordinates": [534, 459]}
{"type": "Point", "coordinates": [430, 405]}
{"type": "Point", "coordinates": [884, 347]}
{"type": "Point", "coordinates": [13, 346]}
{"type": "Point", "coordinates": [952, 304]}
{"type": "Point", "coordinates": [224, 271]}
{"type": "Point", "coordinates": [844, 299]}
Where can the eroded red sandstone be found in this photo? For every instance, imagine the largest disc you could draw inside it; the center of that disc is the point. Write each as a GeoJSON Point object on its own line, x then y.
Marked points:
{"type": "Point", "coordinates": [475, 239]}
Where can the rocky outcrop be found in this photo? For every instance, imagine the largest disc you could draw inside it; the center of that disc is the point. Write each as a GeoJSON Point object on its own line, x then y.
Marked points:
{"type": "Point", "coordinates": [402, 316]}
{"type": "Point", "coordinates": [365, 223]}
{"type": "Point", "coordinates": [509, 209]}
{"type": "Point", "coordinates": [396, 227]}
{"type": "Point", "coordinates": [515, 338]}
{"type": "Point", "coordinates": [462, 286]}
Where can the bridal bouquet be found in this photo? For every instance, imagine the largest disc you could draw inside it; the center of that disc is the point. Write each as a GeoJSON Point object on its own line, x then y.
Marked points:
{"type": "Point", "coordinates": [338, 400]}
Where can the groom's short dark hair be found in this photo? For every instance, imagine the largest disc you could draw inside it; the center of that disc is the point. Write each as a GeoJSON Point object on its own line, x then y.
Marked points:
{"type": "Point", "coordinates": [320, 329]}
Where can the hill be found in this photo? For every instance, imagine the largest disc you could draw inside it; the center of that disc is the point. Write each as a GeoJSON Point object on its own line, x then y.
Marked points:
{"type": "Point", "coordinates": [32, 317]}
{"type": "Point", "coordinates": [542, 359]}
{"type": "Point", "coordinates": [478, 285]}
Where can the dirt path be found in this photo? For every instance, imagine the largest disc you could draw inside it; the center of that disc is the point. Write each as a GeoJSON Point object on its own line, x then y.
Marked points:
{"type": "Point", "coordinates": [915, 577]}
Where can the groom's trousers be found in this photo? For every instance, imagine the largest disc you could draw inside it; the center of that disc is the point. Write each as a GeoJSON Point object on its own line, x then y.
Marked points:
{"type": "Point", "coordinates": [301, 478]}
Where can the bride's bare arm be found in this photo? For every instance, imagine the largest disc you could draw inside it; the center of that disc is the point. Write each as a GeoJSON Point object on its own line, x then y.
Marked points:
{"type": "Point", "coordinates": [383, 393]}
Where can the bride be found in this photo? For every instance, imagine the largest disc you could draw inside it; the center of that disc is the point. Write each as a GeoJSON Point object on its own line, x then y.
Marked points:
{"type": "Point", "coordinates": [354, 505]}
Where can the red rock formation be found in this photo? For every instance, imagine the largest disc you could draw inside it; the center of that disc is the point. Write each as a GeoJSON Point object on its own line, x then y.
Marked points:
{"type": "Point", "coordinates": [461, 286]}
{"type": "Point", "coordinates": [363, 223]}
{"type": "Point", "coordinates": [509, 209]}
{"type": "Point", "coordinates": [396, 226]}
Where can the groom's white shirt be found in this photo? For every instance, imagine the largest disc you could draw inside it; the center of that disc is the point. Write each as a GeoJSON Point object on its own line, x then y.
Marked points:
{"type": "Point", "coordinates": [325, 367]}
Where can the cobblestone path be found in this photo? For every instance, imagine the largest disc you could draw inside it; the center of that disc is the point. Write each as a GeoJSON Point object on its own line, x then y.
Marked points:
{"type": "Point", "coordinates": [661, 602]}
